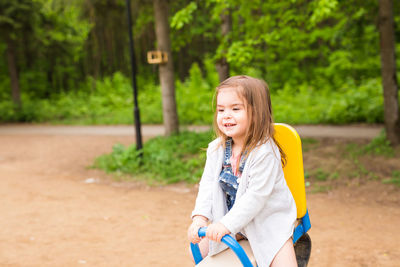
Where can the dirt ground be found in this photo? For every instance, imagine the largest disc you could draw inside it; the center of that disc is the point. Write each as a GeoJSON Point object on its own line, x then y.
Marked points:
{"type": "Point", "coordinates": [55, 211]}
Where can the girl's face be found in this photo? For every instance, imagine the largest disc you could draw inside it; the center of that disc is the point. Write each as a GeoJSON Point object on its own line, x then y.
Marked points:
{"type": "Point", "coordinates": [231, 114]}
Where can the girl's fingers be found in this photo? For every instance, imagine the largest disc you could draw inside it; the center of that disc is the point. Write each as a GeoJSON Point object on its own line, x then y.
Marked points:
{"type": "Point", "coordinates": [218, 237]}
{"type": "Point", "coordinates": [213, 236]}
{"type": "Point", "coordinates": [193, 238]}
{"type": "Point", "coordinates": [193, 235]}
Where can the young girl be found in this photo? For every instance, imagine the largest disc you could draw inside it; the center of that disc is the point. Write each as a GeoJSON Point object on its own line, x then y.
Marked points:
{"type": "Point", "coordinates": [243, 191]}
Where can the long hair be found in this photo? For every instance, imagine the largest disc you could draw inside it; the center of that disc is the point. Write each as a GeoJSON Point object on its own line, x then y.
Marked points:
{"type": "Point", "coordinates": [255, 93]}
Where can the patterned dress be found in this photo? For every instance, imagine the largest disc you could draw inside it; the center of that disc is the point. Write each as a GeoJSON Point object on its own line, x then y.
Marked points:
{"type": "Point", "coordinates": [228, 181]}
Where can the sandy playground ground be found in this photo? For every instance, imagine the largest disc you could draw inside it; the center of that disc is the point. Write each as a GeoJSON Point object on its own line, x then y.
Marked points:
{"type": "Point", "coordinates": [55, 211]}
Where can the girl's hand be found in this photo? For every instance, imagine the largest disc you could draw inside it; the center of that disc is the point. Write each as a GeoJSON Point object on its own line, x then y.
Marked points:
{"type": "Point", "coordinates": [216, 231]}
{"type": "Point", "coordinates": [193, 230]}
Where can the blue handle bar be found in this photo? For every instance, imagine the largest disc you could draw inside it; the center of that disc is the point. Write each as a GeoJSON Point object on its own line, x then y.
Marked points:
{"type": "Point", "coordinates": [229, 241]}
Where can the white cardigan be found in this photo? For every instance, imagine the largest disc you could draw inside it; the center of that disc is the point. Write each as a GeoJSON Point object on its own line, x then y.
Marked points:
{"type": "Point", "coordinates": [264, 209]}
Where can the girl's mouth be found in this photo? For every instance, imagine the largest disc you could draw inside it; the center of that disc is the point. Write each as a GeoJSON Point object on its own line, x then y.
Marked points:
{"type": "Point", "coordinates": [229, 124]}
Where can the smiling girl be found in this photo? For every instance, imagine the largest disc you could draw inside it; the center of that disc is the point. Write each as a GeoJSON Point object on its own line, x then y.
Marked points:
{"type": "Point", "coordinates": [243, 191]}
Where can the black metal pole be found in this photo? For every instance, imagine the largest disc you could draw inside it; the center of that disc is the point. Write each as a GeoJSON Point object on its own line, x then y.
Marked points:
{"type": "Point", "coordinates": [136, 115]}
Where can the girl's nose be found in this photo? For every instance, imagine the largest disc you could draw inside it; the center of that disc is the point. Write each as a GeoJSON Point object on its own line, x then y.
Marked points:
{"type": "Point", "coordinates": [227, 114]}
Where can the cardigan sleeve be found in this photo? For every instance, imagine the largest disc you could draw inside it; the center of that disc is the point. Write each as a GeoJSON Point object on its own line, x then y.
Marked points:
{"type": "Point", "coordinates": [263, 173]}
{"type": "Point", "coordinates": [204, 196]}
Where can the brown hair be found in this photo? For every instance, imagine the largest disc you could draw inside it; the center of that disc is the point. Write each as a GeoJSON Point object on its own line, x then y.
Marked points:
{"type": "Point", "coordinates": [256, 94]}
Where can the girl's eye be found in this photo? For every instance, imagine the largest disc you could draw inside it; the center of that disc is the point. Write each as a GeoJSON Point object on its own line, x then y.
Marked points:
{"type": "Point", "coordinates": [220, 110]}
{"type": "Point", "coordinates": [236, 108]}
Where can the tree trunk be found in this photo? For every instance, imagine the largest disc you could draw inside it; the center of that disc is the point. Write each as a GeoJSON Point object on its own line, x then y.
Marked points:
{"type": "Point", "coordinates": [166, 70]}
{"type": "Point", "coordinates": [388, 70]}
{"type": "Point", "coordinates": [12, 68]}
{"type": "Point", "coordinates": [222, 67]}
{"type": "Point", "coordinates": [222, 64]}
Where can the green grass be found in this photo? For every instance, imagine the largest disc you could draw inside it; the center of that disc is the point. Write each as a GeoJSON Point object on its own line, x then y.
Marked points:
{"type": "Point", "coordinates": [379, 146]}
{"type": "Point", "coordinates": [165, 159]}
{"type": "Point", "coordinates": [321, 188]}
{"type": "Point", "coordinates": [321, 175]}
{"type": "Point", "coordinates": [309, 144]}
{"type": "Point", "coordinates": [181, 158]}
{"type": "Point", "coordinates": [395, 179]}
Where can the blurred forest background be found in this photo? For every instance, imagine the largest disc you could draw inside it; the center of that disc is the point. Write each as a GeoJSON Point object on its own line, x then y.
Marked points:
{"type": "Point", "coordinates": [321, 58]}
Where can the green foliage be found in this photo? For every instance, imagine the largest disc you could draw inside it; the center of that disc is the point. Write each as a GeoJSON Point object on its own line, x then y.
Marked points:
{"type": "Point", "coordinates": [165, 159]}
{"type": "Point", "coordinates": [351, 103]}
{"type": "Point", "coordinates": [194, 97]}
{"type": "Point", "coordinates": [320, 58]}
{"type": "Point", "coordinates": [49, 37]}
{"type": "Point", "coordinates": [379, 146]}
{"type": "Point", "coordinates": [193, 30]}
{"type": "Point", "coordinates": [183, 16]}
{"type": "Point", "coordinates": [334, 176]}
{"type": "Point", "coordinates": [308, 144]}
{"type": "Point", "coordinates": [394, 180]}
{"type": "Point", "coordinates": [16, 15]}
{"type": "Point", "coordinates": [109, 101]}
{"type": "Point", "coordinates": [321, 175]}
{"type": "Point", "coordinates": [322, 9]}
{"type": "Point", "coordinates": [320, 42]}
{"type": "Point", "coordinates": [321, 189]}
